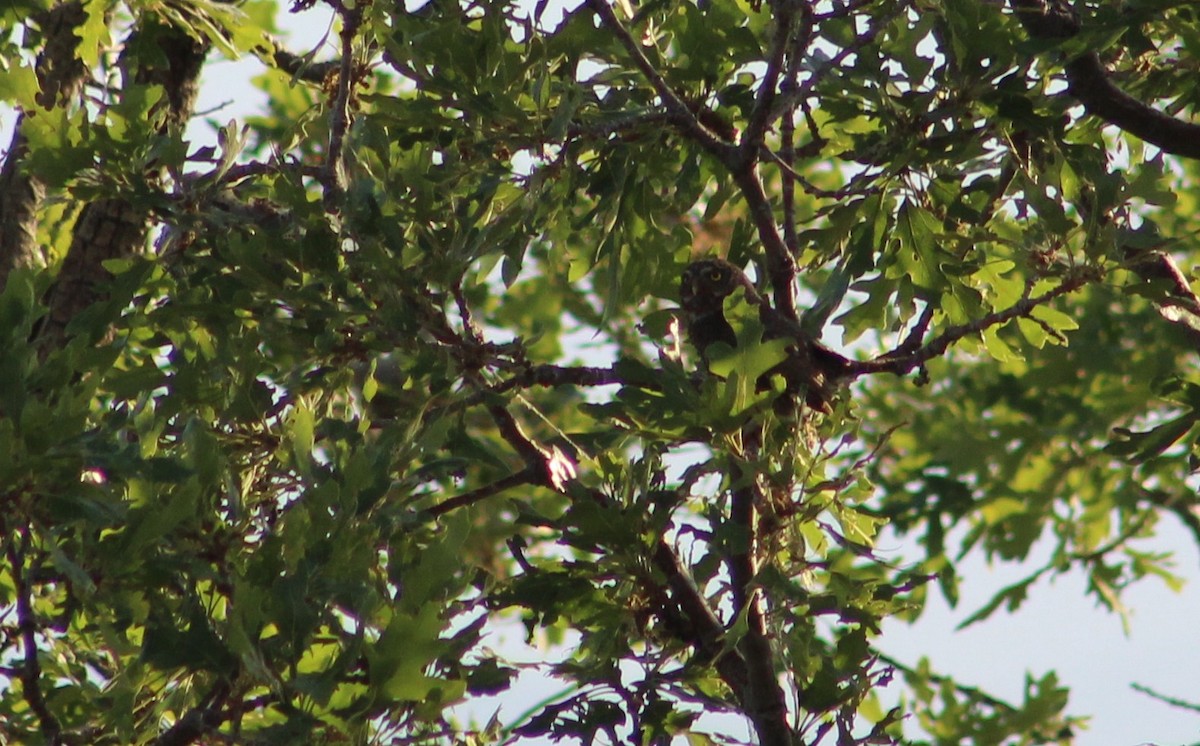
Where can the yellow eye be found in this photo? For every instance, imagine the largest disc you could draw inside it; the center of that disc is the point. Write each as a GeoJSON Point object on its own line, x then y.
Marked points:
{"type": "Point", "coordinates": [715, 274]}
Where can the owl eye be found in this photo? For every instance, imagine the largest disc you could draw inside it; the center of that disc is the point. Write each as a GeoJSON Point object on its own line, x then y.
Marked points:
{"type": "Point", "coordinates": [715, 274]}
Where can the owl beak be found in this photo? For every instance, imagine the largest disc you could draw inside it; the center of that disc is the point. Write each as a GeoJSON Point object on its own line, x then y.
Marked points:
{"type": "Point", "coordinates": [688, 292]}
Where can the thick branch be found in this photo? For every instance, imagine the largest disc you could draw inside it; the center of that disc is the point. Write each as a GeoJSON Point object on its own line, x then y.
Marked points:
{"type": "Point", "coordinates": [546, 467]}
{"type": "Point", "coordinates": [749, 669]}
{"type": "Point", "coordinates": [1089, 82]}
{"type": "Point", "coordinates": [113, 228]}
{"type": "Point", "coordinates": [106, 229]}
{"type": "Point", "coordinates": [61, 76]}
{"type": "Point", "coordinates": [1182, 306]}
{"type": "Point", "coordinates": [21, 195]}
{"type": "Point", "coordinates": [741, 161]}
{"type": "Point", "coordinates": [763, 698]}
{"type": "Point", "coordinates": [781, 267]}
{"type": "Point", "coordinates": [787, 184]}
{"type": "Point", "coordinates": [301, 67]}
{"type": "Point", "coordinates": [564, 375]}
{"type": "Point", "coordinates": [708, 635]}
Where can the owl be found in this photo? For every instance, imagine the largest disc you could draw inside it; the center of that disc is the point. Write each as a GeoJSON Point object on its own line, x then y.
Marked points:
{"type": "Point", "coordinates": [811, 367]}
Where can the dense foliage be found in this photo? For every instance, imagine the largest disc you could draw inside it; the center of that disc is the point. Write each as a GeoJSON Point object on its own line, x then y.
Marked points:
{"type": "Point", "coordinates": [289, 424]}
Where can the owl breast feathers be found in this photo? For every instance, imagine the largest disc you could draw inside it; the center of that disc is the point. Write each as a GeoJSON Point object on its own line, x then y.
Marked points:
{"type": "Point", "coordinates": [811, 368]}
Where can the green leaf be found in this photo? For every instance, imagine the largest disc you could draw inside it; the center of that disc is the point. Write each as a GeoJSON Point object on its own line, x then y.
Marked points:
{"type": "Point", "coordinates": [1011, 597]}
{"type": "Point", "coordinates": [1000, 351]}
{"type": "Point", "coordinates": [301, 430]}
{"type": "Point", "coordinates": [18, 86]}
{"type": "Point", "coordinates": [916, 253]}
{"type": "Point", "coordinates": [1139, 447]}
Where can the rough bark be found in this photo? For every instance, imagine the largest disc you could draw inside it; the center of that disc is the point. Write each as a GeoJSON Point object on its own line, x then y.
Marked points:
{"type": "Point", "coordinates": [61, 76]}
{"type": "Point", "coordinates": [115, 227]}
{"type": "Point", "coordinates": [20, 196]}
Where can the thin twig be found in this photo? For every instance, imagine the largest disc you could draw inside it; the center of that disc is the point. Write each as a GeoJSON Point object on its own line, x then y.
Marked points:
{"type": "Point", "coordinates": [334, 181]}
{"type": "Point", "coordinates": [1183, 508]}
{"type": "Point", "coordinates": [676, 107]}
{"type": "Point", "coordinates": [900, 362]}
{"type": "Point", "coordinates": [971, 692]}
{"type": "Point", "coordinates": [851, 189]}
{"type": "Point", "coordinates": [527, 476]}
{"type": "Point", "coordinates": [31, 668]}
{"type": "Point", "coordinates": [1172, 701]}
{"type": "Point", "coordinates": [860, 41]}
{"type": "Point", "coordinates": [756, 125]}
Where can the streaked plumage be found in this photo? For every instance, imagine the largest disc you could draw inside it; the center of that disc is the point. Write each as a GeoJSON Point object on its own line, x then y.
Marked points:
{"type": "Point", "coordinates": [811, 367]}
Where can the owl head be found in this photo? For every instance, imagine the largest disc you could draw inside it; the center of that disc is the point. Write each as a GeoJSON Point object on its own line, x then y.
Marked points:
{"type": "Point", "coordinates": [706, 283]}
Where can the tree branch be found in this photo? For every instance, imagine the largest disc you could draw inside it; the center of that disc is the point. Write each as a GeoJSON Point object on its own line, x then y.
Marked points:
{"type": "Point", "coordinates": [760, 114]}
{"type": "Point", "coordinates": [528, 475]}
{"type": "Point", "coordinates": [780, 266]}
{"type": "Point", "coordinates": [21, 195]}
{"type": "Point", "coordinates": [199, 720]}
{"type": "Point", "coordinates": [860, 41]}
{"type": "Point", "coordinates": [547, 467]}
{"type": "Point", "coordinates": [545, 375]}
{"type": "Point", "coordinates": [787, 183]}
{"type": "Point", "coordinates": [112, 228]}
{"type": "Point", "coordinates": [901, 360]}
{"type": "Point", "coordinates": [563, 375]}
{"type": "Point", "coordinates": [31, 669]}
{"type": "Point", "coordinates": [763, 698]}
{"type": "Point", "coordinates": [678, 110]}
{"type": "Point", "coordinates": [973, 693]}
{"type": "Point", "coordinates": [301, 67]}
{"type": "Point", "coordinates": [708, 634]}
{"type": "Point", "coordinates": [1088, 82]}
{"type": "Point", "coordinates": [1165, 699]}
{"type": "Point", "coordinates": [61, 75]}
{"type": "Point", "coordinates": [334, 174]}
{"type": "Point", "coordinates": [797, 47]}
{"type": "Point", "coordinates": [1184, 508]}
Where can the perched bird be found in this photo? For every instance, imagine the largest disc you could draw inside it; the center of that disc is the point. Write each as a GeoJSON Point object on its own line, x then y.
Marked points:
{"type": "Point", "coordinates": [810, 367]}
